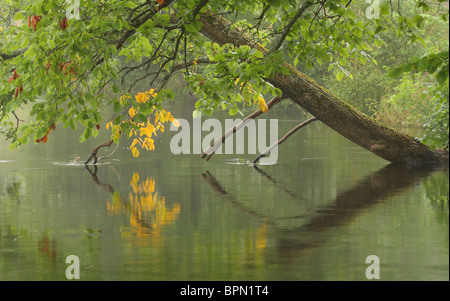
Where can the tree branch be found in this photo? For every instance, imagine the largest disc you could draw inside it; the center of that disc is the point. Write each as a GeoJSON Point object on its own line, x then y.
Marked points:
{"type": "Point", "coordinates": [213, 148]}
{"type": "Point", "coordinates": [96, 149]}
{"type": "Point", "coordinates": [267, 151]}
{"type": "Point", "coordinates": [17, 126]}
{"type": "Point", "coordinates": [5, 57]}
{"type": "Point", "coordinates": [287, 29]}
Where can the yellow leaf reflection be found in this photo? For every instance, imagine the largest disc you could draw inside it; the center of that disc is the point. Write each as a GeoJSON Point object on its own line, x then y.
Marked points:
{"type": "Point", "coordinates": [148, 211]}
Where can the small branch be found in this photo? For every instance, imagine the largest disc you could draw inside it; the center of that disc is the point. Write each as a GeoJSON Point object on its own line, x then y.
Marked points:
{"type": "Point", "coordinates": [211, 150]}
{"type": "Point", "coordinates": [110, 155]}
{"type": "Point", "coordinates": [17, 126]}
{"type": "Point", "coordinates": [96, 149]}
{"type": "Point", "coordinates": [199, 8]}
{"type": "Point", "coordinates": [267, 151]}
{"type": "Point", "coordinates": [5, 57]}
{"type": "Point", "coordinates": [287, 29]}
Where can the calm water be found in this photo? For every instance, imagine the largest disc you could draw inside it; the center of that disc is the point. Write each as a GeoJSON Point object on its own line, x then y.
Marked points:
{"type": "Point", "coordinates": [316, 215]}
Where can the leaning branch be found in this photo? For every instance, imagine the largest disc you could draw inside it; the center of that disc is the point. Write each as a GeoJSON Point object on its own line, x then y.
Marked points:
{"type": "Point", "coordinates": [359, 128]}
{"type": "Point", "coordinates": [95, 151]}
{"type": "Point", "coordinates": [208, 153]}
{"type": "Point", "coordinates": [267, 151]}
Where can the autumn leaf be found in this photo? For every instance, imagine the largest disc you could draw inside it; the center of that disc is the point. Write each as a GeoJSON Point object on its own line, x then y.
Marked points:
{"type": "Point", "coordinates": [47, 67]}
{"type": "Point", "coordinates": [135, 152]}
{"type": "Point", "coordinates": [262, 104]}
{"type": "Point", "coordinates": [34, 21]}
{"type": "Point", "coordinates": [63, 24]}
{"type": "Point", "coordinates": [132, 112]}
{"type": "Point", "coordinates": [14, 77]}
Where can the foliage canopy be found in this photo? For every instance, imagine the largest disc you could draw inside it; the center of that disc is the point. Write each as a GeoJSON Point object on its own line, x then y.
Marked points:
{"type": "Point", "coordinates": [123, 54]}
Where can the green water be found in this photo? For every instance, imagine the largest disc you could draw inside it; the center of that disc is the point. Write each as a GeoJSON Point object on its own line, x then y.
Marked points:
{"type": "Point", "coordinates": [316, 215]}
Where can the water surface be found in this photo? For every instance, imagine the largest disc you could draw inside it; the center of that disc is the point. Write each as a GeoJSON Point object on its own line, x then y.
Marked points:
{"type": "Point", "coordinates": [316, 215]}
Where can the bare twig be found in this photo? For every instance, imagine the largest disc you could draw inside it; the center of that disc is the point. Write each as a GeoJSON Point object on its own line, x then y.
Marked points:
{"type": "Point", "coordinates": [110, 155]}
{"type": "Point", "coordinates": [211, 150]}
{"type": "Point", "coordinates": [267, 151]}
{"type": "Point", "coordinates": [96, 149]}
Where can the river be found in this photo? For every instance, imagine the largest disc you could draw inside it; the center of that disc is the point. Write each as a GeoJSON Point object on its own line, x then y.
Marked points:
{"type": "Point", "coordinates": [315, 215]}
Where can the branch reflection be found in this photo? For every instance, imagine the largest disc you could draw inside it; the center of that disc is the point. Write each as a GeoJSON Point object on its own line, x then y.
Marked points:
{"type": "Point", "coordinates": [382, 185]}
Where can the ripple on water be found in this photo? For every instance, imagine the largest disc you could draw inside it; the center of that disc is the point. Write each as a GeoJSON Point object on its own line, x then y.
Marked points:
{"type": "Point", "coordinates": [77, 164]}
{"type": "Point", "coordinates": [238, 161]}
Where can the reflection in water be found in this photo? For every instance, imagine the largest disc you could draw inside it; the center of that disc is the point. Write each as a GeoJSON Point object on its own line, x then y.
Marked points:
{"type": "Point", "coordinates": [379, 186]}
{"type": "Point", "coordinates": [384, 184]}
{"type": "Point", "coordinates": [106, 187]}
{"type": "Point", "coordinates": [221, 233]}
{"type": "Point", "coordinates": [212, 181]}
{"type": "Point", "coordinates": [260, 235]}
{"type": "Point", "coordinates": [147, 210]}
{"type": "Point", "coordinates": [47, 248]}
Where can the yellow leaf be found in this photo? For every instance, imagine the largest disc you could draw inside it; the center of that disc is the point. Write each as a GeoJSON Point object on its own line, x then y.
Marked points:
{"type": "Point", "coordinates": [132, 112]}
{"type": "Point", "coordinates": [135, 141]}
{"type": "Point", "coordinates": [135, 152]}
{"type": "Point", "coordinates": [262, 104]}
{"type": "Point", "coordinates": [135, 178]}
{"type": "Point", "coordinates": [176, 123]}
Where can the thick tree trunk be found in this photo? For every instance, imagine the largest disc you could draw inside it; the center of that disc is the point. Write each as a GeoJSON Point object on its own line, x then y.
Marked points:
{"type": "Point", "coordinates": [381, 140]}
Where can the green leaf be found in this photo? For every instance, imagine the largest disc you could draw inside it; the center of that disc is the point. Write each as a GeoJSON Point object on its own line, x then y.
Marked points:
{"type": "Point", "coordinates": [95, 21]}
{"type": "Point", "coordinates": [344, 52]}
{"type": "Point", "coordinates": [278, 92]}
{"type": "Point", "coordinates": [130, 4]}
{"type": "Point", "coordinates": [365, 46]}
{"type": "Point", "coordinates": [442, 75]}
{"type": "Point", "coordinates": [190, 28]}
{"type": "Point", "coordinates": [396, 72]}
{"type": "Point", "coordinates": [233, 111]}
{"type": "Point", "coordinates": [140, 118]}
{"type": "Point", "coordinates": [323, 54]}
{"type": "Point", "coordinates": [51, 43]}
{"type": "Point", "coordinates": [340, 76]}
{"type": "Point", "coordinates": [258, 54]}
{"type": "Point", "coordinates": [285, 71]}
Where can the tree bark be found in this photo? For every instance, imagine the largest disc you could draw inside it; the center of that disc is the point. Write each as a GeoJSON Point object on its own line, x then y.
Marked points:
{"type": "Point", "coordinates": [370, 134]}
